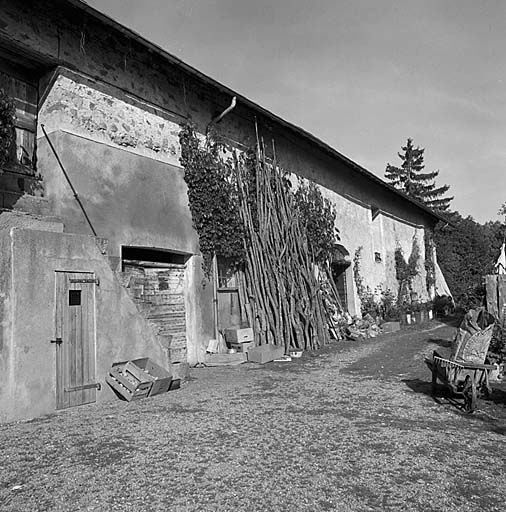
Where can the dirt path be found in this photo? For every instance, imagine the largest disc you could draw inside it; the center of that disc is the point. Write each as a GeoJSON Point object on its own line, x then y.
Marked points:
{"type": "Point", "coordinates": [351, 428]}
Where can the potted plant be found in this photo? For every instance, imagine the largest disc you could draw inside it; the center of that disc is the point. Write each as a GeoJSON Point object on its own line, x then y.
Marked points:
{"type": "Point", "coordinates": [406, 313]}
{"type": "Point", "coordinates": [428, 309]}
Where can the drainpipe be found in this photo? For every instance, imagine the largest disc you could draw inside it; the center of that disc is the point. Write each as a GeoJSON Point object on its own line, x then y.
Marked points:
{"type": "Point", "coordinates": [219, 117]}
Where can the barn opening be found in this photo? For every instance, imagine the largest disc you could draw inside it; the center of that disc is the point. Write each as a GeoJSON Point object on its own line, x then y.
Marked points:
{"type": "Point", "coordinates": [341, 273]}
{"type": "Point", "coordinates": [155, 279]}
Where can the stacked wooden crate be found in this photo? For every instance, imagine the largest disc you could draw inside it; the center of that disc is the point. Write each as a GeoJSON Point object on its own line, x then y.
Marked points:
{"type": "Point", "coordinates": [138, 378]}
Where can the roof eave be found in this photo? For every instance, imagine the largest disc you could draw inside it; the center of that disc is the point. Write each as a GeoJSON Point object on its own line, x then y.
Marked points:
{"type": "Point", "coordinates": [81, 4]}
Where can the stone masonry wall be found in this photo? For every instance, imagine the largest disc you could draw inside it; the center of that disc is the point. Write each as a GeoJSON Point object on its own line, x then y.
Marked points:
{"type": "Point", "coordinates": [159, 295]}
{"type": "Point", "coordinates": [129, 96]}
{"type": "Point", "coordinates": [75, 106]}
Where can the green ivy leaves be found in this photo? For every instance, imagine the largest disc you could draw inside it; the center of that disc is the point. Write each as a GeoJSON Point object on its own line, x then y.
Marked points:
{"type": "Point", "coordinates": [7, 133]}
{"type": "Point", "coordinates": [211, 193]}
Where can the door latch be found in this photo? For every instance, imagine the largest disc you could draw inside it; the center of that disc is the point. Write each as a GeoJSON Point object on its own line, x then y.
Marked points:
{"type": "Point", "coordinates": [57, 341]}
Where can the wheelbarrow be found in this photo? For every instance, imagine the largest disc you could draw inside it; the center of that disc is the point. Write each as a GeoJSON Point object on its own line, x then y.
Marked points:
{"type": "Point", "coordinates": [465, 372]}
{"type": "Point", "coordinates": [464, 379]}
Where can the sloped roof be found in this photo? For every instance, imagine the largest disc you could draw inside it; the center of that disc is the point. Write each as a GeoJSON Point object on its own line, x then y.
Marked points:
{"type": "Point", "coordinates": [81, 4]}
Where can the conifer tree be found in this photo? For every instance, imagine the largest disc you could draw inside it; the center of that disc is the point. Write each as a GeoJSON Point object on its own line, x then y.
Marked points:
{"type": "Point", "coordinates": [410, 179]}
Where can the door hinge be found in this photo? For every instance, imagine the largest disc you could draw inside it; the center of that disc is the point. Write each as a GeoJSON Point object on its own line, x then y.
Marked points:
{"type": "Point", "coordinates": [57, 341]}
{"type": "Point", "coordinates": [94, 280]}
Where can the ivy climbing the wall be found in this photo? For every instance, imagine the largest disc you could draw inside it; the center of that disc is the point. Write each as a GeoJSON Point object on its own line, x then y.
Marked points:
{"type": "Point", "coordinates": [318, 218]}
{"type": "Point", "coordinates": [406, 271]}
{"type": "Point", "coordinates": [430, 264]}
{"type": "Point", "coordinates": [212, 197]}
{"type": "Point", "coordinates": [357, 272]}
{"type": "Point", "coordinates": [7, 131]}
{"type": "Point", "coordinates": [244, 208]}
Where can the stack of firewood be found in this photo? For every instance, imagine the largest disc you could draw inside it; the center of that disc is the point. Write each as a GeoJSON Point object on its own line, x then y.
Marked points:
{"type": "Point", "coordinates": [280, 289]}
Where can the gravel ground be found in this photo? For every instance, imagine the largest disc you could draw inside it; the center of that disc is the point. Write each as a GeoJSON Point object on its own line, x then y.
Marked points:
{"type": "Point", "coordinates": [349, 428]}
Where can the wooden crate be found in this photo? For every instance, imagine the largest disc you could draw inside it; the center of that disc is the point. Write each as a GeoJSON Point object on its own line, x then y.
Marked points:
{"type": "Point", "coordinates": [160, 376]}
{"type": "Point", "coordinates": [177, 354]}
{"type": "Point", "coordinates": [242, 347]}
{"type": "Point", "coordinates": [129, 381]}
{"type": "Point", "coordinates": [265, 353]}
{"type": "Point", "coordinates": [239, 335]}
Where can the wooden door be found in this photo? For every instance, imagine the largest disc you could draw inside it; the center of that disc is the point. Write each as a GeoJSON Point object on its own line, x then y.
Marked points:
{"type": "Point", "coordinates": [75, 339]}
{"type": "Point", "coordinates": [339, 276]}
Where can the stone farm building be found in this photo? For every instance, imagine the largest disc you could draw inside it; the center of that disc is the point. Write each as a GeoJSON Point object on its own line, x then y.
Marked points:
{"type": "Point", "coordinates": [112, 105]}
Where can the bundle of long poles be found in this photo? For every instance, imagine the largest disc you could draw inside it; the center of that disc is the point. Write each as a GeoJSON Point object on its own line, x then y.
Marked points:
{"type": "Point", "coordinates": [285, 300]}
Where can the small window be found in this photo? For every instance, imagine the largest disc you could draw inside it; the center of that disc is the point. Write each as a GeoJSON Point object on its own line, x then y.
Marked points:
{"type": "Point", "coordinates": [377, 257]}
{"type": "Point", "coordinates": [24, 95]}
{"type": "Point", "coordinates": [226, 274]}
{"type": "Point", "coordinates": [74, 297]}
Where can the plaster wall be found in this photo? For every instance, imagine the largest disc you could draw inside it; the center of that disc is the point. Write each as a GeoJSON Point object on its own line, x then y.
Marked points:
{"type": "Point", "coordinates": [135, 194]}
{"type": "Point", "coordinates": [383, 234]}
{"type": "Point", "coordinates": [56, 33]}
{"type": "Point", "coordinates": [132, 200]}
{"type": "Point", "coordinates": [29, 376]}
{"type": "Point", "coordinates": [6, 317]}
{"type": "Point", "coordinates": [76, 104]}
{"type": "Point", "coordinates": [398, 234]}
{"type": "Point", "coordinates": [114, 120]}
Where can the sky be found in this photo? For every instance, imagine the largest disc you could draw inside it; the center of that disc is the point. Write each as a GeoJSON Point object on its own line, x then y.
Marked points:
{"type": "Point", "coordinates": [361, 75]}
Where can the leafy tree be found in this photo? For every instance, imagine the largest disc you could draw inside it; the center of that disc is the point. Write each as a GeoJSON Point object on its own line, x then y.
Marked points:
{"type": "Point", "coordinates": [466, 251]}
{"type": "Point", "coordinates": [410, 179]}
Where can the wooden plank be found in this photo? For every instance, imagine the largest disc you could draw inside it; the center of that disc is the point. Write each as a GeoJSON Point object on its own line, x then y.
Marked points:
{"type": "Point", "coordinates": [501, 292]}
{"type": "Point", "coordinates": [66, 340]}
{"type": "Point", "coordinates": [92, 394]}
{"type": "Point", "coordinates": [59, 287]}
{"type": "Point", "coordinates": [492, 300]}
{"type": "Point", "coordinates": [73, 344]}
{"type": "Point", "coordinates": [85, 347]}
{"type": "Point", "coordinates": [87, 335]}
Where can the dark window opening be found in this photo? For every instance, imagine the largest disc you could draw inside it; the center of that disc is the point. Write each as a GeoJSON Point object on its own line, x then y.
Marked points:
{"type": "Point", "coordinates": [74, 297]}
{"type": "Point", "coordinates": [377, 257]}
{"type": "Point", "coordinates": [339, 276]}
{"type": "Point", "coordinates": [227, 277]}
{"type": "Point", "coordinates": [25, 96]}
{"type": "Point", "coordinates": [151, 257]}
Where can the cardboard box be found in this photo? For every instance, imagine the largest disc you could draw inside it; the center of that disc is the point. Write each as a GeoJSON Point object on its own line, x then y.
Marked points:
{"type": "Point", "coordinates": [265, 353]}
{"type": "Point", "coordinates": [239, 335]}
{"type": "Point", "coordinates": [225, 359]}
{"type": "Point", "coordinates": [242, 347]}
{"type": "Point", "coordinates": [389, 327]}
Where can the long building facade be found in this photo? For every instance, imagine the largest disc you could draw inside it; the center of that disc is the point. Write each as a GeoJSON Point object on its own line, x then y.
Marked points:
{"type": "Point", "coordinates": [98, 115]}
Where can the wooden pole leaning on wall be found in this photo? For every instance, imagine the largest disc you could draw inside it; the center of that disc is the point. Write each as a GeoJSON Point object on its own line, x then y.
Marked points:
{"type": "Point", "coordinates": [76, 197]}
{"type": "Point", "coordinates": [287, 305]}
{"type": "Point", "coordinates": [496, 293]}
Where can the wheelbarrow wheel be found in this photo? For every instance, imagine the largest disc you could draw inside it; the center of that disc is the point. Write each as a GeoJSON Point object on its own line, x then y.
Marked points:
{"type": "Point", "coordinates": [470, 395]}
